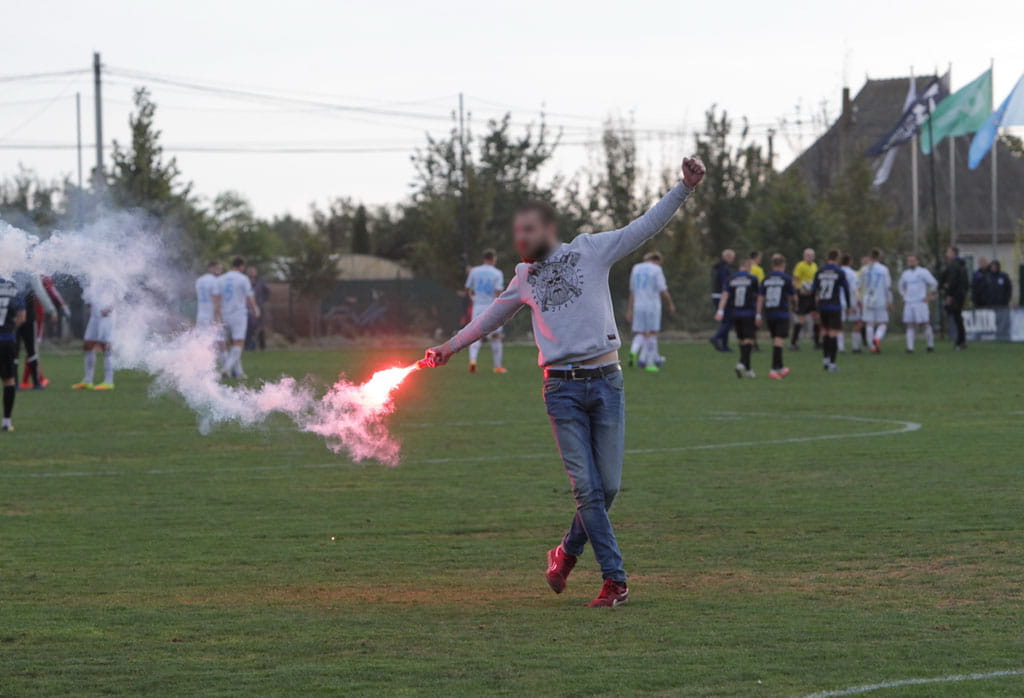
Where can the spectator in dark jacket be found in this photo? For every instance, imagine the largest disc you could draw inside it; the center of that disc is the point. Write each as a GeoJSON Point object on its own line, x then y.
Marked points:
{"type": "Point", "coordinates": [955, 285]}
{"type": "Point", "coordinates": [980, 285]}
{"type": "Point", "coordinates": [720, 273]}
{"type": "Point", "coordinates": [1000, 286]}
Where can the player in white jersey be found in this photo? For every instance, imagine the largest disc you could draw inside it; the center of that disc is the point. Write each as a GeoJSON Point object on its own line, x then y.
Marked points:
{"type": "Point", "coordinates": [98, 337]}
{"type": "Point", "coordinates": [851, 310]}
{"type": "Point", "coordinates": [483, 284]}
{"type": "Point", "coordinates": [206, 288]}
{"type": "Point", "coordinates": [231, 306]}
{"type": "Point", "coordinates": [876, 299]}
{"type": "Point", "coordinates": [918, 287]}
{"type": "Point", "coordinates": [647, 288]}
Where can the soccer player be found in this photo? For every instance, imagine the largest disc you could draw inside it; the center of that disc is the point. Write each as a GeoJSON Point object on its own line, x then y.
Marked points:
{"type": "Point", "coordinates": [647, 288]}
{"type": "Point", "coordinates": [38, 306]}
{"type": "Point", "coordinates": [720, 274]}
{"type": "Point", "coordinates": [851, 307]}
{"type": "Point", "coordinates": [207, 286]}
{"type": "Point", "coordinates": [98, 336]}
{"type": "Point", "coordinates": [741, 299]}
{"type": "Point", "coordinates": [232, 303]}
{"type": "Point", "coordinates": [830, 291]}
{"type": "Point", "coordinates": [918, 287]}
{"type": "Point", "coordinates": [483, 284]}
{"type": "Point", "coordinates": [778, 298]}
{"type": "Point", "coordinates": [12, 316]}
{"type": "Point", "coordinates": [803, 279]}
{"type": "Point", "coordinates": [876, 292]}
{"type": "Point", "coordinates": [565, 286]}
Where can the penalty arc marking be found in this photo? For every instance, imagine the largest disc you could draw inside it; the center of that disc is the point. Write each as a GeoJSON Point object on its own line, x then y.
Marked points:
{"type": "Point", "coordinates": [895, 427]}
{"type": "Point", "coordinates": [955, 678]}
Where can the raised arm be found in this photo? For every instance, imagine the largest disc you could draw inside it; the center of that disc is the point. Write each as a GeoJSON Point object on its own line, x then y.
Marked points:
{"type": "Point", "coordinates": [616, 244]}
{"type": "Point", "coordinates": [497, 314]}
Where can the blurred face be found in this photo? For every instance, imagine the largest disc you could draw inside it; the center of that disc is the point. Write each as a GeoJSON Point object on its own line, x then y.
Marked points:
{"type": "Point", "coordinates": [534, 239]}
{"type": "Point", "coordinates": [808, 256]}
{"type": "Point", "coordinates": [950, 254]}
{"type": "Point", "coordinates": [912, 261]}
{"type": "Point", "coordinates": [217, 269]}
{"type": "Point", "coordinates": [251, 272]}
{"type": "Point", "coordinates": [864, 261]}
{"type": "Point", "coordinates": [729, 256]}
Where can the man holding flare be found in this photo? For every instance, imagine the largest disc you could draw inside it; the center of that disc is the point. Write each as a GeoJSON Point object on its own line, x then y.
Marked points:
{"type": "Point", "coordinates": [565, 285]}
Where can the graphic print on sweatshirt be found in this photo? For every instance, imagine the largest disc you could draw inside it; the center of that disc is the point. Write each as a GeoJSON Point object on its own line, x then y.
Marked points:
{"type": "Point", "coordinates": [556, 281]}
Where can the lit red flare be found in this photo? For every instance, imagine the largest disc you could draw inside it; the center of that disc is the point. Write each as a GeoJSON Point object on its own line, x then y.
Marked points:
{"type": "Point", "coordinates": [351, 417]}
{"type": "Point", "coordinates": [377, 391]}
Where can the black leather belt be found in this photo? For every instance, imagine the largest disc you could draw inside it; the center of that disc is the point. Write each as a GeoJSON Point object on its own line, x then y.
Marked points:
{"type": "Point", "coordinates": [582, 373]}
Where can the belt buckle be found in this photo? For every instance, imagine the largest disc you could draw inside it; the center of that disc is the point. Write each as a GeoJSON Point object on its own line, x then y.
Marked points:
{"type": "Point", "coordinates": [572, 374]}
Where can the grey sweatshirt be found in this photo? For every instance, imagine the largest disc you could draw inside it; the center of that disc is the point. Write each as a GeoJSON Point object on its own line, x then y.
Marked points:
{"type": "Point", "coordinates": [568, 294]}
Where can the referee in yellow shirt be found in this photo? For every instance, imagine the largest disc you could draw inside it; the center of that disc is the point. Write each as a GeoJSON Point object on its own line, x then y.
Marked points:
{"type": "Point", "coordinates": [803, 279]}
{"type": "Point", "coordinates": [755, 266]}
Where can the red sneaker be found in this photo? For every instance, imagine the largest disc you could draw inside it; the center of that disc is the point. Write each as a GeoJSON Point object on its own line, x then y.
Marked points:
{"type": "Point", "coordinates": [560, 564]}
{"type": "Point", "coordinates": [612, 594]}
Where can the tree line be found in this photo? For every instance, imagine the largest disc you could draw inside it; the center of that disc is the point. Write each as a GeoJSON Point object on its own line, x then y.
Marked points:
{"type": "Point", "coordinates": [464, 193]}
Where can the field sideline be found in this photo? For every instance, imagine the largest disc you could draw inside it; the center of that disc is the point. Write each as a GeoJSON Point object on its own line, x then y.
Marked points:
{"type": "Point", "coordinates": [776, 547]}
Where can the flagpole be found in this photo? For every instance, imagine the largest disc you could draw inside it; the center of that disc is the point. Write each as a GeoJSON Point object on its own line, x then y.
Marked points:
{"type": "Point", "coordinates": [952, 191]}
{"type": "Point", "coordinates": [913, 175]}
{"type": "Point", "coordinates": [934, 197]}
{"type": "Point", "coordinates": [952, 175]}
{"type": "Point", "coordinates": [995, 180]}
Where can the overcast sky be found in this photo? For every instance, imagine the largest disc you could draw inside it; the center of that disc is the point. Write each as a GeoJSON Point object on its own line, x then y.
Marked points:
{"type": "Point", "coordinates": [661, 61]}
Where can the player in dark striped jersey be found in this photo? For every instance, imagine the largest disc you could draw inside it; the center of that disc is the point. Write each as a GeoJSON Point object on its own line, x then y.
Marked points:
{"type": "Point", "coordinates": [778, 298]}
{"type": "Point", "coordinates": [12, 316]}
{"type": "Point", "coordinates": [831, 292]}
{"type": "Point", "coordinates": [740, 296]}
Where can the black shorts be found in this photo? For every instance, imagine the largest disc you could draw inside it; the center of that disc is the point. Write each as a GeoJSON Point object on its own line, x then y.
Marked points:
{"type": "Point", "coordinates": [745, 327]}
{"type": "Point", "coordinates": [778, 327]}
{"type": "Point", "coordinates": [830, 319]}
{"type": "Point", "coordinates": [804, 305]}
{"type": "Point", "coordinates": [8, 355]}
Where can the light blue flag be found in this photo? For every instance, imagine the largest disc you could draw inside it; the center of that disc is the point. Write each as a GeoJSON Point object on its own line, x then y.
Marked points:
{"type": "Point", "coordinates": [1009, 113]}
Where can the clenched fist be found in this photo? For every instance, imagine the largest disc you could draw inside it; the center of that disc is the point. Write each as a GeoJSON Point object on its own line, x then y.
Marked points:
{"type": "Point", "coordinates": [693, 171]}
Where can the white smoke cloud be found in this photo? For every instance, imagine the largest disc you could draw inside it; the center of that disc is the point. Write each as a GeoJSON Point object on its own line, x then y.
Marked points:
{"type": "Point", "coordinates": [121, 261]}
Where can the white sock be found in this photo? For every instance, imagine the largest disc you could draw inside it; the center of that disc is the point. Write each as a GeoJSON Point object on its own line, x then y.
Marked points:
{"type": "Point", "coordinates": [841, 341]}
{"type": "Point", "coordinates": [6, 422]}
{"type": "Point", "coordinates": [638, 342]}
{"type": "Point", "coordinates": [474, 351]}
{"type": "Point", "coordinates": [234, 360]}
{"type": "Point", "coordinates": [910, 338]}
{"type": "Point", "coordinates": [880, 331]}
{"type": "Point", "coordinates": [855, 340]}
{"type": "Point", "coordinates": [498, 349]}
{"type": "Point", "coordinates": [652, 349]}
{"type": "Point", "coordinates": [929, 336]}
{"type": "Point", "coordinates": [108, 368]}
{"type": "Point", "coordinates": [90, 366]}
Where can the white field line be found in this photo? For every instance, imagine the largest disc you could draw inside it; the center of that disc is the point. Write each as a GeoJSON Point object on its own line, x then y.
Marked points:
{"type": "Point", "coordinates": [854, 690]}
{"type": "Point", "coordinates": [899, 427]}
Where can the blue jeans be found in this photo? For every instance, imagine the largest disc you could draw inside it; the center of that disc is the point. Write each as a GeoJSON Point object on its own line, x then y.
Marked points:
{"type": "Point", "coordinates": [722, 335]}
{"type": "Point", "coordinates": [589, 421]}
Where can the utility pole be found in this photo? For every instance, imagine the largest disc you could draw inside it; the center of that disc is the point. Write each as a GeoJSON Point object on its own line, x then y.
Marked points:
{"type": "Point", "coordinates": [462, 183]}
{"type": "Point", "coordinates": [771, 148]}
{"type": "Point", "coordinates": [78, 148]}
{"type": "Point", "coordinates": [97, 93]}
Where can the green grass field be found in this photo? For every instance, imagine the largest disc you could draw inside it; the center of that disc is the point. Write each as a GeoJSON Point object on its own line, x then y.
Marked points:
{"type": "Point", "coordinates": [775, 548]}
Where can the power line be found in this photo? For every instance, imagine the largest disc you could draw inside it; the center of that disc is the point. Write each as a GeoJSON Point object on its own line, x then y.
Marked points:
{"type": "Point", "coordinates": [37, 76]}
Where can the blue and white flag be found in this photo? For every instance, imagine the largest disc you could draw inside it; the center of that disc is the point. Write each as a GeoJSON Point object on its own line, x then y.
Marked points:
{"type": "Point", "coordinates": [1009, 113]}
{"type": "Point", "coordinates": [913, 116]}
{"type": "Point", "coordinates": [885, 166]}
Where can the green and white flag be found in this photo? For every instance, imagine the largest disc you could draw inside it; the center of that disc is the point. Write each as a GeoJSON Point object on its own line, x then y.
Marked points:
{"type": "Point", "coordinates": [965, 111]}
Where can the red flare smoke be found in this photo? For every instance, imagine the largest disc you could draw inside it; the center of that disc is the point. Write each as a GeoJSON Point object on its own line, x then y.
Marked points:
{"type": "Point", "coordinates": [377, 391]}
